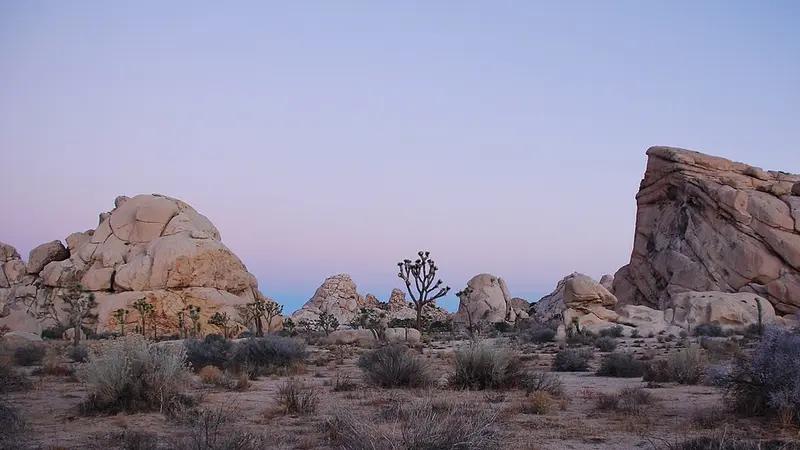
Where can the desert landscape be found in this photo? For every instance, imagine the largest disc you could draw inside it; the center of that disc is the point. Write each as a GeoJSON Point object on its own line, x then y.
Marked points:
{"type": "Point", "coordinates": [147, 332]}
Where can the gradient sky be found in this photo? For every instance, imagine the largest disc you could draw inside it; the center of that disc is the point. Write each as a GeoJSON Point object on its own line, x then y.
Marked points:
{"type": "Point", "coordinates": [326, 137]}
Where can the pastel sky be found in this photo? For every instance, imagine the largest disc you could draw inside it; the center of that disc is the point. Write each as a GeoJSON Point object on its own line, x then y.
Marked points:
{"type": "Point", "coordinates": [326, 137]}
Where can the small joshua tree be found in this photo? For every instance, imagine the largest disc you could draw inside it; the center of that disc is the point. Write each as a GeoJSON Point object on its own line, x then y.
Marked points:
{"type": "Point", "coordinates": [121, 316]}
{"type": "Point", "coordinates": [221, 320]}
{"type": "Point", "coordinates": [258, 312]}
{"type": "Point", "coordinates": [327, 323]}
{"type": "Point", "coordinates": [423, 273]}
{"type": "Point", "coordinates": [271, 311]}
{"type": "Point", "coordinates": [78, 306]}
{"type": "Point", "coordinates": [182, 323]}
{"type": "Point", "coordinates": [145, 309]}
{"type": "Point", "coordinates": [194, 315]}
{"type": "Point", "coordinates": [306, 326]}
{"type": "Point", "coordinates": [289, 325]}
{"type": "Point", "coordinates": [463, 295]}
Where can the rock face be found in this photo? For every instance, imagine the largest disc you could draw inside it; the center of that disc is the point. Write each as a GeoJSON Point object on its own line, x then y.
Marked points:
{"type": "Point", "coordinates": [578, 296]}
{"type": "Point", "coordinates": [705, 223]}
{"type": "Point", "coordinates": [728, 310]}
{"type": "Point", "coordinates": [149, 246]}
{"type": "Point", "coordinates": [489, 302]}
{"type": "Point", "coordinates": [336, 296]}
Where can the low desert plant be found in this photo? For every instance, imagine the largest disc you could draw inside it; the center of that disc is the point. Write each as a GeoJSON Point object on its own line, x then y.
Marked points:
{"type": "Point", "coordinates": [212, 375]}
{"type": "Point", "coordinates": [78, 354]}
{"type": "Point", "coordinates": [572, 360]}
{"type": "Point", "coordinates": [606, 344]}
{"type": "Point", "coordinates": [626, 400]}
{"type": "Point", "coordinates": [12, 426]}
{"type": "Point", "coordinates": [260, 356]}
{"type": "Point", "coordinates": [344, 384]}
{"type": "Point", "coordinates": [295, 398]}
{"type": "Point", "coordinates": [687, 366]}
{"type": "Point", "coordinates": [622, 365]}
{"type": "Point", "coordinates": [11, 380]}
{"type": "Point", "coordinates": [213, 350]}
{"type": "Point", "coordinates": [125, 375]}
{"type": "Point", "coordinates": [217, 429]}
{"type": "Point", "coordinates": [394, 366]}
{"type": "Point", "coordinates": [479, 367]}
{"type": "Point", "coordinates": [615, 332]}
{"type": "Point", "coordinates": [539, 335]}
{"type": "Point", "coordinates": [635, 333]}
{"type": "Point", "coordinates": [720, 349]}
{"type": "Point", "coordinates": [29, 354]}
{"type": "Point", "coordinates": [544, 382]}
{"type": "Point", "coordinates": [538, 403]}
{"type": "Point", "coordinates": [768, 382]}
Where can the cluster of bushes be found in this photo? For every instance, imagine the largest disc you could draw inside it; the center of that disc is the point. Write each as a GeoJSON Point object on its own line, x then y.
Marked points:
{"type": "Point", "coordinates": [572, 360]}
{"type": "Point", "coordinates": [621, 364]}
{"type": "Point", "coordinates": [253, 356]}
{"type": "Point", "coordinates": [687, 366]}
{"type": "Point", "coordinates": [394, 366]}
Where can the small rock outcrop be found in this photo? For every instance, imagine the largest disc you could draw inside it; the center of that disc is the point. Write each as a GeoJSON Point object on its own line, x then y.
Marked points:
{"type": "Point", "coordinates": [705, 223]}
{"type": "Point", "coordinates": [336, 296]}
{"type": "Point", "coordinates": [150, 246]}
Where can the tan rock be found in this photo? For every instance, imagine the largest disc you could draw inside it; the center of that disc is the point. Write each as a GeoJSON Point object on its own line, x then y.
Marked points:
{"type": "Point", "coordinates": [486, 304]}
{"type": "Point", "coordinates": [730, 310]}
{"type": "Point", "coordinates": [583, 293]}
{"type": "Point", "coordinates": [15, 271]}
{"type": "Point", "coordinates": [704, 223]}
{"type": "Point", "coordinates": [397, 300]}
{"type": "Point", "coordinates": [98, 279]}
{"type": "Point", "coordinates": [360, 336]}
{"type": "Point", "coordinates": [336, 296]}
{"type": "Point", "coordinates": [8, 253]}
{"type": "Point", "coordinates": [77, 240]}
{"type": "Point", "coordinates": [44, 254]}
{"type": "Point", "coordinates": [407, 335]}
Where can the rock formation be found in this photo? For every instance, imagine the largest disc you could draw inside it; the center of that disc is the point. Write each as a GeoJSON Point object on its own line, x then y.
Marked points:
{"type": "Point", "coordinates": [149, 246]}
{"type": "Point", "coordinates": [705, 223]}
{"type": "Point", "coordinates": [489, 302]}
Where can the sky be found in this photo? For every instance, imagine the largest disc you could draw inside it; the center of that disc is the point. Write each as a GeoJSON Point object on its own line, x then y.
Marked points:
{"type": "Point", "coordinates": [326, 137]}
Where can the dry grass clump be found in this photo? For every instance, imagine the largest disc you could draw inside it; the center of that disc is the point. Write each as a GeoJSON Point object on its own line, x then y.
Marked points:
{"type": "Point", "coordinates": [544, 382]}
{"type": "Point", "coordinates": [621, 364]}
{"type": "Point", "coordinates": [126, 375]}
{"type": "Point", "coordinates": [539, 402]}
{"type": "Point", "coordinates": [479, 367]}
{"type": "Point", "coordinates": [393, 366]}
{"type": "Point", "coordinates": [428, 426]}
{"type": "Point", "coordinates": [687, 366]}
{"type": "Point", "coordinates": [295, 398]}
{"type": "Point", "coordinates": [217, 429]}
{"type": "Point", "coordinates": [626, 400]}
{"type": "Point", "coordinates": [29, 354]}
{"type": "Point", "coordinates": [572, 360]}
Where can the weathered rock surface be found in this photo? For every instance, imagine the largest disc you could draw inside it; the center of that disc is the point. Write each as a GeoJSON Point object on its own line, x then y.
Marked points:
{"type": "Point", "coordinates": [489, 302]}
{"type": "Point", "coordinates": [705, 223]}
{"type": "Point", "coordinates": [148, 246]}
{"type": "Point", "coordinates": [730, 310]}
{"type": "Point", "coordinates": [336, 296]}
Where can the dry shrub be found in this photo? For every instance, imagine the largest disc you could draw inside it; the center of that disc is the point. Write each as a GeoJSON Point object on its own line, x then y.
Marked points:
{"type": "Point", "coordinates": [687, 366]}
{"type": "Point", "coordinates": [29, 354]}
{"type": "Point", "coordinates": [606, 344]}
{"type": "Point", "coordinates": [11, 426]}
{"type": "Point", "coordinates": [78, 353]}
{"type": "Point", "coordinates": [720, 349]}
{"type": "Point", "coordinates": [626, 400]}
{"type": "Point", "coordinates": [344, 384]}
{"type": "Point", "coordinates": [707, 418]}
{"type": "Point", "coordinates": [544, 382]}
{"type": "Point", "coordinates": [479, 367]}
{"type": "Point", "coordinates": [538, 403]}
{"type": "Point", "coordinates": [394, 366]}
{"type": "Point", "coordinates": [51, 365]}
{"type": "Point", "coordinates": [126, 375]}
{"type": "Point", "coordinates": [621, 365]}
{"type": "Point", "coordinates": [572, 360]}
{"type": "Point", "coordinates": [212, 375]}
{"type": "Point", "coordinates": [295, 398]}
{"type": "Point", "coordinates": [267, 355]}
{"type": "Point", "coordinates": [11, 379]}
{"type": "Point", "coordinates": [216, 429]}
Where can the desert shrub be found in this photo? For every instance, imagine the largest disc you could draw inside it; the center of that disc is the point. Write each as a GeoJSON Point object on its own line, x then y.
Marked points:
{"type": "Point", "coordinates": [709, 329]}
{"type": "Point", "coordinates": [29, 354]}
{"type": "Point", "coordinates": [11, 380]}
{"type": "Point", "coordinates": [539, 335]}
{"type": "Point", "coordinates": [104, 336]}
{"type": "Point", "coordinates": [51, 365]}
{"type": "Point", "coordinates": [615, 332]}
{"type": "Point", "coordinates": [344, 384]}
{"type": "Point", "coordinates": [768, 381]}
{"type": "Point", "coordinates": [626, 400]}
{"type": "Point", "coordinates": [621, 365]}
{"type": "Point", "coordinates": [606, 344]}
{"type": "Point", "coordinates": [394, 366]}
{"type": "Point", "coordinates": [724, 441]}
{"type": "Point", "coordinates": [213, 350]}
{"type": "Point", "coordinates": [479, 367]}
{"type": "Point", "coordinates": [295, 398]}
{"type": "Point", "coordinates": [260, 356]}
{"type": "Point", "coordinates": [443, 425]}
{"type": "Point", "coordinates": [217, 429]}
{"type": "Point", "coordinates": [635, 333]}
{"type": "Point", "coordinates": [688, 365]}
{"type": "Point", "coordinates": [572, 360]}
{"type": "Point", "coordinates": [707, 418]}
{"type": "Point", "coordinates": [538, 403]}
{"type": "Point", "coordinates": [52, 333]}
{"type": "Point", "coordinates": [584, 337]}
{"type": "Point", "coordinates": [720, 349]}
{"type": "Point", "coordinates": [125, 375]}
{"type": "Point", "coordinates": [211, 375]}
{"type": "Point", "coordinates": [657, 371]}
{"type": "Point", "coordinates": [128, 440]}
{"type": "Point", "coordinates": [544, 382]}
{"type": "Point", "coordinates": [78, 354]}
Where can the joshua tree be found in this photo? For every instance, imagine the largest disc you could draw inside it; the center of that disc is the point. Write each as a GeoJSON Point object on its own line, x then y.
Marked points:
{"type": "Point", "coordinates": [194, 314]}
{"type": "Point", "coordinates": [423, 273]}
{"type": "Point", "coordinates": [370, 319]}
{"type": "Point", "coordinates": [463, 295]}
{"type": "Point", "coordinates": [271, 311]}
{"type": "Point", "coordinates": [221, 320]}
{"type": "Point", "coordinates": [78, 305]}
{"type": "Point", "coordinates": [306, 326]}
{"type": "Point", "coordinates": [289, 325]}
{"type": "Point", "coordinates": [121, 315]}
{"type": "Point", "coordinates": [145, 309]}
{"type": "Point", "coordinates": [327, 323]}
{"type": "Point", "coordinates": [182, 323]}
{"type": "Point", "coordinates": [258, 312]}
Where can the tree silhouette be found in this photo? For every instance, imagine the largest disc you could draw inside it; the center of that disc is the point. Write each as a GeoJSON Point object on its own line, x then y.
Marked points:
{"type": "Point", "coordinates": [423, 273]}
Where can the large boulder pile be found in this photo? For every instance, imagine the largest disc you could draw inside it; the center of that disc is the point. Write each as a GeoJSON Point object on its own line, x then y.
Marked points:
{"type": "Point", "coordinates": [707, 224]}
{"type": "Point", "coordinates": [489, 302]}
{"type": "Point", "coordinates": [149, 246]}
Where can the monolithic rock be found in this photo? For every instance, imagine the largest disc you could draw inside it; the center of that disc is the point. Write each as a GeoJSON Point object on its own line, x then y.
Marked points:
{"type": "Point", "coordinates": [489, 302]}
{"type": "Point", "coordinates": [336, 296]}
{"type": "Point", "coordinates": [731, 311]}
{"type": "Point", "coordinates": [397, 300]}
{"type": "Point", "coordinates": [705, 223]}
{"type": "Point", "coordinates": [149, 246]}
